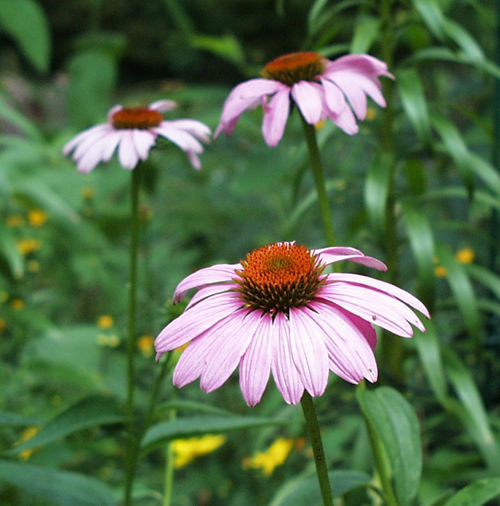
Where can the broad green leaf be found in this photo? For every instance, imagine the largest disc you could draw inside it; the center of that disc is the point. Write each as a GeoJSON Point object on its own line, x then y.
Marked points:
{"type": "Point", "coordinates": [16, 420]}
{"type": "Point", "coordinates": [462, 290]}
{"type": "Point", "coordinates": [429, 351]}
{"type": "Point", "coordinates": [476, 493]}
{"type": "Point", "coordinates": [415, 172]}
{"type": "Point", "coordinates": [304, 490]}
{"type": "Point", "coordinates": [414, 103]}
{"type": "Point", "coordinates": [10, 252]}
{"type": "Point", "coordinates": [365, 33]}
{"type": "Point", "coordinates": [421, 238]}
{"type": "Point", "coordinates": [432, 15]}
{"type": "Point", "coordinates": [463, 39]}
{"type": "Point", "coordinates": [194, 426]}
{"type": "Point", "coordinates": [26, 23]}
{"type": "Point", "coordinates": [89, 412]}
{"type": "Point", "coordinates": [472, 411]}
{"type": "Point", "coordinates": [396, 425]}
{"type": "Point", "coordinates": [18, 120]}
{"type": "Point", "coordinates": [376, 191]}
{"type": "Point", "coordinates": [225, 46]}
{"type": "Point", "coordinates": [486, 277]}
{"type": "Point", "coordinates": [55, 487]}
{"type": "Point", "coordinates": [179, 405]}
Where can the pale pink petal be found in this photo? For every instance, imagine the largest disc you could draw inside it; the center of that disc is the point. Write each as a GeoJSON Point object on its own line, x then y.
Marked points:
{"type": "Point", "coordinates": [196, 128]}
{"type": "Point", "coordinates": [143, 141]}
{"type": "Point", "coordinates": [112, 141]}
{"type": "Point", "coordinates": [244, 96]}
{"type": "Point", "coordinates": [345, 120]}
{"type": "Point", "coordinates": [162, 105]}
{"type": "Point", "coordinates": [183, 139]}
{"type": "Point", "coordinates": [349, 350]}
{"type": "Point", "coordinates": [208, 290]}
{"type": "Point", "coordinates": [337, 254]}
{"type": "Point", "coordinates": [95, 153]}
{"type": "Point", "coordinates": [308, 97]}
{"type": "Point", "coordinates": [195, 321]}
{"type": "Point", "coordinates": [127, 154]}
{"type": "Point", "coordinates": [308, 350]}
{"type": "Point", "coordinates": [334, 98]}
{"type": "Point", "coordinates": [275, 117]}
{"type": "Point", "coordinates": [230, 340]}
{"type": "Point", "coordinates": [388, 288]}
{"type": "Point", "coordinates": [284, 371]}
{"type": "Point", "coordinates": [112, 112]}
{"type": "Point", "coordinates": [255, 365]}
{"type": "Point", "coordinates": [192, 361]}
{"type": "Point", "coordinates": [194, 159]}
{"type": "Point", "coordinates": [85, 139]}
{"type": "Point", "coordinates": [219, 273]}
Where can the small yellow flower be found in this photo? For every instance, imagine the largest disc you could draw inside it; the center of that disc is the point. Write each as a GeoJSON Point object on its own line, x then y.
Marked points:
{"type": "Point", "coordinates": [25, 436]}
{"type": "Point", "coordinates": [465, 255]}
{"type": "Point", "coordinates": [105, 321]}
{"type": "Point", "coordinates": [88, 192]}
{"type": "Point", "coordinates": [371, 113]}
{"type": "Point", "coordinates": [440, 271]}
{"type": "Point", "coordinates": [17, 304]}
{"type": "Point", "coordinates": [33, 266]}
{"type": "Point", "coordinates": [27, 246]}
{"type": "Point", "coordinates": [145, 345]}
{"type": "Point", "coordinates": [3, 324]}
{"type": "Point", "coordinates": [274, 456]}
{"type": "Point", "coordinates": [3, 296]}
{"type": "Point", "coordinates": [186, 450]}
{"type": "Point", "coordinates": [37, 217]}
{"type": "Point", "coordinates": [319, 125]}
{"type": "Point", "coordinates": [15, 220]}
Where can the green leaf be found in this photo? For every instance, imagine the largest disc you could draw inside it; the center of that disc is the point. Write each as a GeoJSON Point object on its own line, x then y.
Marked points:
{"type": "Point", "coordinates": [19, 121]}
{"type": "Point", "coordinates": [396, 425]}
{"type": "Point", "coordinates": [304, 490]}
{"type": "Point", "coordinates": [421, 238]}
{"type": "Point", "coordinates": [376, 191]}
{"type": "Point", "coordinates": [16, 420]}
{"type": "Point", "coordinates": [11, 254]}
{"type": "Point", "coordinates": [476, 493]}
{"type": "Point", "coordinates": [488, 278]}
{"type": "Point", "coordinates": [414, 103]}
{"type": "Point", "coordinates": [462, 290]}
{"type": "Point", "coordinates": [26, 23]}
{"type": "Point", "coordinates": [432, 15]}
{"type": "Point", "coordinates": [365, 33]}
{"type": "Point", "coordinates": [429, 351]}
{"type": "Point", "coordinates": [463, 39]}
{"type": "Point", "coordinates": [471, 410]}
{"type": "Point", "coordinates": [226, 47]}
{"type": "Point", "coordinates": [92, 411]}
{"type": "Point", "coordinates": [58, 488]}
{"type": "Point", "coordinates": [195, 426]}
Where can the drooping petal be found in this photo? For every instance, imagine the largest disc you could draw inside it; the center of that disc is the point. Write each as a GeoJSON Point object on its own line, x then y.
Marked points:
{"type": "Point", "coordinates": [308, 350]}
{"type": "Point", "coordinates": [219, 273]}
{"type": "Point", "coordinates": [82, 136]}
{"type": "Point", "coordinates": [275, 117]}
{"type": "Point", "coordinates": [337, 254]}
{"type": "Point", "coordinates": [284, 371]}
{"type": "Point", "coordinates": [195, 321]}
{"type": "Point", "coordinates": [383, 286]}
{"type": "Point", "coordinates": [334, 98]}
{"type": "Point", "coordinates": [244, 96]}
{"type": "Point", "coordinates": [127, 154]}
{"type": "Point", "coordinates": [183, 139]}
{"type": "Point", "coordinates": [255, 365]}
{"type": "Point", "coordinates": [143, 141]}
{"type": "Point", "coordinates": [95, 153]}
{"type": "Point", "coordinates": [193, 127]}
{"type": "Point", "coordinates": [349, 349]}
{"type": "Point", "coordinates": [230, 340]}
{"type": "Point", "coordinates": [345, 120]}
{"type": "Point", "coordinates": [308, 97]}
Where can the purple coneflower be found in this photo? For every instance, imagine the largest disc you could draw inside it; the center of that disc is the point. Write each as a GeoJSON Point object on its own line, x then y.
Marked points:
{"type": "Point", "coordinates": [278, 312]}
{"type": "Point", "coordinates": [133, 130]}
{"type": "Point", "coordinates": [319, 87]}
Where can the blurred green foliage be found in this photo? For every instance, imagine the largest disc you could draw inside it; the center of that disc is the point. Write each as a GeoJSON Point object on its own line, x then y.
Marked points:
{"type": "Point", "coordinates": [417, 185]}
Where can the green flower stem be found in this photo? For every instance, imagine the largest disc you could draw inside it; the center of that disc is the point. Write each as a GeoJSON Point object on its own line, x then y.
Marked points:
{"type": "Point", "coordinates": [131, 452]}
{"type": "Point", "coordinates": [319, 180]}
{"type": "Point", "coordinates": [317, 446]}
{"type": "Point", "coordinates": [169, 469]}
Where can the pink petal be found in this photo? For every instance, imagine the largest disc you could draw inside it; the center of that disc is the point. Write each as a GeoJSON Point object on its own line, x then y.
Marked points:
{"type": "Point", "coordinates": [143, 141]}
{"type": "Point", "coordinates": [336, 254]}
{"type": "Point", "coordinates": [193, 127]}
{"type": "Point", "coordinates": [308, 97]}
{"type": "Point", "coordinates": [209, 290]}
{"type": "Point", "coordinates": [308, 350]}
{"type": "Point", "coordinates": [219, 273]}
{"type": "Point", "coordinates": [275, 117]}
{"type": "Point", "coordinates": [351, 356]}
{"type": "Point", "coordinates": [86, 140]}
{"type": "Point", "coordinates": [112, 112]}
{"type": "Point", "coordinates": [334, 98]}
{"type": "Point", "coordinates": [244, 96]}
{"type": "Point", "coordinates": [230, 339]}
{"type": "Point", "coordinates": [255, 365]}
{"type": "Point", "coordinates": [194, 322]}
{"type": "Point", "coordinates": [194, 160]}
{"type": "Point", "coordinates": [383, 286]}
{"type": "Point", "coordinates": [284, 371]}
{"type": "Point", "coordinates": [345, 120]}
{"type": "Point", "coordinates": [162, 105]}
{"type": "Point", "coordinates": [127, 154]}
{"type": "Point", "coordinates": [183, 139]}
